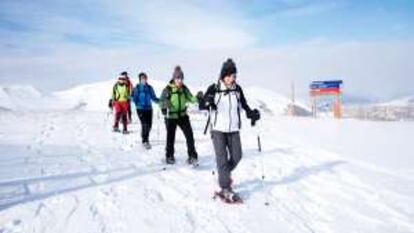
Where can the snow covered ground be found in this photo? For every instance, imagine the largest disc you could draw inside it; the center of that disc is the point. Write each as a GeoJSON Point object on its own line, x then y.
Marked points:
{"type": "Point", "coordinates": [65, 171]}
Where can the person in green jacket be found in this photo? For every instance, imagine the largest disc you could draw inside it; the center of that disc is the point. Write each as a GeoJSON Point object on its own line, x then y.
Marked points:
{"type": "Point", "coordinates": [173, 102]}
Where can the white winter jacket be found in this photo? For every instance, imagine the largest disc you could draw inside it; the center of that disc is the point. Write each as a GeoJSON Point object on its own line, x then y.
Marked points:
{"type": "Point", "coordinates": [229, 102]}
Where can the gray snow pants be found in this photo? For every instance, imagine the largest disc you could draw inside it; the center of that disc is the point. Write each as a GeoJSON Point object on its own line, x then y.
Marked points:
{"type": "Point", "coordinates": [227, 147]}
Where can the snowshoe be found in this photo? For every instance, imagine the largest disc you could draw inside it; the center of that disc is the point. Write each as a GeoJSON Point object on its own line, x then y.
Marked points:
{"type": "Point", "coordinates": [147, 145]}
{"type": "Point", "coordinates": [125, 131]}
{"type": "Point", "coordinates": [192, 161]}
{"type": "Point", "coordinates": [228, 196]}
{"type": "Point", "coordinates": [116, 129]}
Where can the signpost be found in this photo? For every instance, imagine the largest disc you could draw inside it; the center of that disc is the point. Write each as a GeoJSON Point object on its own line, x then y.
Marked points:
{"type": "Point", "coordinates": [327, 88]}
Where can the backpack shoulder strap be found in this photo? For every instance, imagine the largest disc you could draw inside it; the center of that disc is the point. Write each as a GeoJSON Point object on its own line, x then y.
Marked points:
{"type": "Point", "coordinates": [168, 92]}
{"type": "Point", "coordinates": [238, 91]}
{"type": "Point", "coordinates": [114, 91]}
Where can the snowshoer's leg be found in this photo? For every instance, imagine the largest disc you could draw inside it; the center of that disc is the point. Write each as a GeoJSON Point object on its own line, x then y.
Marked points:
{"type": "Point", "coordinates": [149, 124]}
{"type": "Point", "coordinates": [146, 121]}
{"type": "Point", "coordinates": [223, 167]}
{"type": "Point", "coordinates": [147, 117]}
{"type": "Point", "coordinates": [171, 126]}
{"type": "Point", "coordinates": [235, 149]}
{"type": "Point", "coordinates": [185, 126]}
{"type": "Point", "coordinates": [124, 116]}
{"type": "Point", "coordinates": [140, 114]}
{"type": "Point", "coordinates": [117, 115]}
{"type": "Point", "coordinates": [116, 120]}
{"type": "Point", "coordinates": [129, 112]}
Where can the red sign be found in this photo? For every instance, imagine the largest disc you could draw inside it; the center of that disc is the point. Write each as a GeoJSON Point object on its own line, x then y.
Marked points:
{"type": "Point", "coordinates": [325, 91]}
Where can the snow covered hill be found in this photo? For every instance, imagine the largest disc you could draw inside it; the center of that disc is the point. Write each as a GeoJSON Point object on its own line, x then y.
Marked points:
{"type": "Point", "coordinates": [13, 97]}
{"type": "Point", "coordinates": [65, 171]}
{"type": "Point", "coordinates": [95, 96]}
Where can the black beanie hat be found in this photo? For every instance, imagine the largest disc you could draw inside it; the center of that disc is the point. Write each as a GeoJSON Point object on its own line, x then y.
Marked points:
{"type": "Point", "coordinates": [228, 68]}
{"type": "Point", "coordinates": [178, 73]}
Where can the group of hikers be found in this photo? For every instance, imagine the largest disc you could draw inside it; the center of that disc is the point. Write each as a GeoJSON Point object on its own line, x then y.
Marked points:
{"type": "Point", "coordinates": [224, 100]}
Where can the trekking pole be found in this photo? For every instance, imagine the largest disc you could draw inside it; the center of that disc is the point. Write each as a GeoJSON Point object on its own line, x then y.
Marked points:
{"type": "Point", "coordinates": [210, 124]}
{"type": "Point", "coordinates": [106, 117]}
{"type": "Point", "coordinates": [213, 162]}
{"type": "Point", "coordinates": [158, 125]}
{"type": "Point", "coordinates": [262, 167]}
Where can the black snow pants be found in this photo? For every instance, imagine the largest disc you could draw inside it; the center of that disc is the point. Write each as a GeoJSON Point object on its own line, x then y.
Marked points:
{"type": "Point", "coordinates": [145, 117]}
{"type": "Point", "coordinates": [185, 126]}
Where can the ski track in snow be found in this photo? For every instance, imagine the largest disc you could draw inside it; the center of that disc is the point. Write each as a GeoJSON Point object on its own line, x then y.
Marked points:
{"type": "Point", "coordinates": [75, 175]}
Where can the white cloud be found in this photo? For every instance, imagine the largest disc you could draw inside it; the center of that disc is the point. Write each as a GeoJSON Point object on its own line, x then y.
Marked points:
{"type": "Point", "coordinates": [183, 25]}
{"type": "Point", "coordinates": [300, 8]}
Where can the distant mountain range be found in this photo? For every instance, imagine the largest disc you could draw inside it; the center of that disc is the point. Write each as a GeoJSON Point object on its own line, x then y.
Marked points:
{"type": "Point", "coordinates": [394, 110]}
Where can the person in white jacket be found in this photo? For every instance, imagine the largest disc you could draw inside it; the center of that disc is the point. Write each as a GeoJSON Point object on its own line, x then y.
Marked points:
{"type": "Point", "coordinates": [226, 100]}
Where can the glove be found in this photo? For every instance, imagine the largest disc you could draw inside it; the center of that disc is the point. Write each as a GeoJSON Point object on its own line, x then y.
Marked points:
{"type": "Point", "coordinates": [164, 111]}
{"type": "Point", "coordinates": [212, 106]}
{"type": "Point", "coordinates": [210, 102]}
{"type": "Point", "coordinates": [200, 95]}
{"type": "Point", "coordinates": [254, 116]}
{"type": "Point", "coordinates": [110, 104]}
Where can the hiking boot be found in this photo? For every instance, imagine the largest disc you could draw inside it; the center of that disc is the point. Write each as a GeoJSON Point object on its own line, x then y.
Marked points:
{"type": "Point", "coordinates": [170, 160]}
{"type": "Point", "coordinates": [230, 195]}
{"type": "Point", "coordinates": [124, 131]}
{"type": "Point", "coordinates": [115, 129]}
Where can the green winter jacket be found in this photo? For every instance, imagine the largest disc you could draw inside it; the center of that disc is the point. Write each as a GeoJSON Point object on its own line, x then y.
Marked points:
{"type": "Point", "coordinates": [175, 100]}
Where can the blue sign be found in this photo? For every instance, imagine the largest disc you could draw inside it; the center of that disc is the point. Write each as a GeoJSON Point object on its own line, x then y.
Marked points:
{"type": "Point", "coordinates": [326, 84]}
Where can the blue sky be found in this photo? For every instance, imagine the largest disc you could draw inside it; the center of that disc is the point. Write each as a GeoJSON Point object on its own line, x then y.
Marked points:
{"type": "Point", "coordinates": [256, 23]}
{"type": "Point", "coordinates": [56, 44]}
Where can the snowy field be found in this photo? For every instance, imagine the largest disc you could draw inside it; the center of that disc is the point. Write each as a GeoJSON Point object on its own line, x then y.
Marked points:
{"type": "Point", "coordinates": [65, 171]}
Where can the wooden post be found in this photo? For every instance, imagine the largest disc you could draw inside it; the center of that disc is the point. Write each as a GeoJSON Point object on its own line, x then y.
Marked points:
{"type": "Point", "coordinates": [337, 107]}
{"type": "Point", "coordinates": [314, 106]}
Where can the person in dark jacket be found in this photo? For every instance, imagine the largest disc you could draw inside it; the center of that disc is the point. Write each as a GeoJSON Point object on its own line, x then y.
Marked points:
{"type": "Point", "coordinates": [143, 95]}
{"type": "Point", "coordinates": [173, 102]}
{"type": "Point", "coordinates": [225, 101]}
